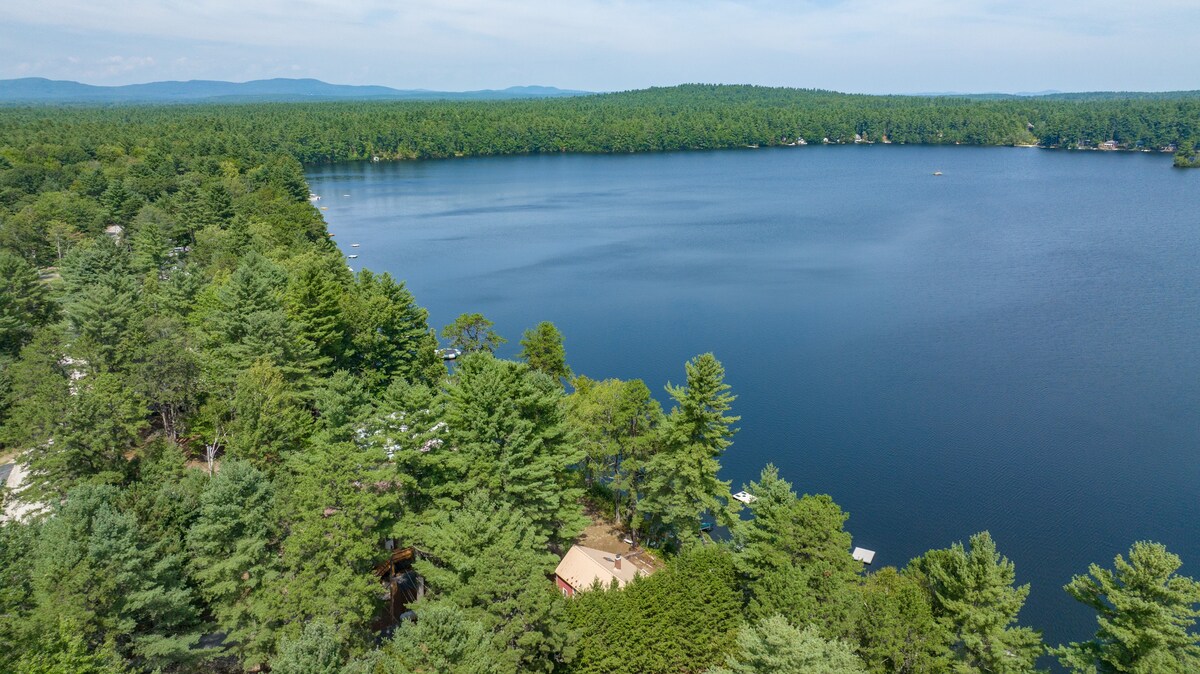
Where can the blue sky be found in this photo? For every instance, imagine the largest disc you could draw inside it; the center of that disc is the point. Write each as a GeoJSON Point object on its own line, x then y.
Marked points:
{"type": "Point", "coordinates": [875, 46]}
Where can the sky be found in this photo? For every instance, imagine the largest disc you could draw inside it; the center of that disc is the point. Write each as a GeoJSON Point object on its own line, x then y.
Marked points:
{"type": "Point", "coordinates": [868, 46]}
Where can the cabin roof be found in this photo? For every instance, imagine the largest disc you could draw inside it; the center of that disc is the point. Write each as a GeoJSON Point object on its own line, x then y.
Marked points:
{"type": "Point", "coordinates": [582, 566]}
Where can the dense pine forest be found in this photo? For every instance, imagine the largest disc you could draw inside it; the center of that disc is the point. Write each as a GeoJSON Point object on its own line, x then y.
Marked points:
{"type": "Point", "coordinates": [227, 436]}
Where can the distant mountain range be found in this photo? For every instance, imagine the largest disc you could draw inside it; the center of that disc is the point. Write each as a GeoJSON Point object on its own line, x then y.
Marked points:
{"type": "Point", "coordinates": [42, 90]}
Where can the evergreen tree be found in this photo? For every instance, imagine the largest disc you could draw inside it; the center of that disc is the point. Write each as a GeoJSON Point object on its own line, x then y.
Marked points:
{"type": "Point", "coordinates": [973, 596]}
{"type": "Point", "coordinates": [234, 559]}
{"type": "Point", "coordinates": [24, 303]}
{"type": "Point", "coordinates": [40, 393]}
{"type": "Point", "coordinates": [65, 651]}
{"type": "Point", "coordinates": [390, 333]}
{"type": "Point", "coordinates": [682, 480]}
{"type": "Point", "coordinates": [507, 427]}
{"type": "Point", "coordinates": [542, 348]}
{"type": "Point", "coordinates": [487, 559]}
{"type": "Point", "coordinates": [103, 421]}
{"type": "Point", "coordinates": [314, 301]}
{"type": "Point", "coordinates": [17, 541]}
{"type": "Point", "coordinates": [897, 633]}
{"type": "Point", "coordinates": [166, 371]}
{"type": "Point", "coordinates": [95, 261]}
{"type": "Point", "coordinates": [795, 556]}
{"type": "Point", "coordinates": [1146, 614]}
{"type": "Point", "coordinates": [683, 618]}
{"type": "Point", "coordinates": [339, 505]}
{"type": "Point", "coordinates": [268, 421]}
{"type": "Point", "coordinates": [151, 248]}
{"type": "Point", "coordinates": [91, 564]}
{"type": "Point", "coordinates": [342, 407]}
{"type": "Point", "coordinates": [103, 319]}
{"type": "Point", "coordinates": [443, 640]}
{"type": "Point", "coordinates": [248, 323]}
{"type": "Point", "coordinates": [773, 645]}
{"type": "Point", "coordinates": [316, 650]}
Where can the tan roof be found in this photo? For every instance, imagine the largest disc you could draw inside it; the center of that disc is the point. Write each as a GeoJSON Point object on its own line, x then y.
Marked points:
{"type": "Point", "coordinates": [582, 566]}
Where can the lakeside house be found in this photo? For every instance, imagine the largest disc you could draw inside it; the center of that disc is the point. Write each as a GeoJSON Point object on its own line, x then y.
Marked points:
{"type": "Point", "coordinates": [581, 567]}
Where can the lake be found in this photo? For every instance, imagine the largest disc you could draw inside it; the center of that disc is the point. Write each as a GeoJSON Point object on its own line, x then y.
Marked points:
{"type": "Point", "coordinates": [1012, 346]}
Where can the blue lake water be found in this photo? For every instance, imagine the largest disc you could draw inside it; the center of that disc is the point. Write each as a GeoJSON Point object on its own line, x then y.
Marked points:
{"type": "Point", "coordinates": [1012, 346]}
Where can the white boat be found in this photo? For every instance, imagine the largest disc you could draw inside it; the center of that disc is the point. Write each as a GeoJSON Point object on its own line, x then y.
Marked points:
{"type": "Point", "coordinates": [352, 256]}
{"type": "Point", "coordinates": [354, 245]}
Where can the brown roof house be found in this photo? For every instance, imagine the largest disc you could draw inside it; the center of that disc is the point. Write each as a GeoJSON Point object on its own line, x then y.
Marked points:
{"type": "Point", "coordinates": [582, 566]}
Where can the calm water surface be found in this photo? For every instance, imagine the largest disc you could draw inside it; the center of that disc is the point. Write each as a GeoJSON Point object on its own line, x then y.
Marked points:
{"type": "Point", "coordinates": [1013, 346]}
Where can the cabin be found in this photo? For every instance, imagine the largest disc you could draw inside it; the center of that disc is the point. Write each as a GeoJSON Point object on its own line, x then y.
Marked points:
{"type": "Point", "coordinates": [581, 567]}
{"type": "Point", "coordinates": [402, 586]}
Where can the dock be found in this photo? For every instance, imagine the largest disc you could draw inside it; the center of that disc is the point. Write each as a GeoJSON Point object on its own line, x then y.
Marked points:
{"type": "Point", "coordinates": [745, 497]}
{"type": "Point", "coordinates": [863, 555]}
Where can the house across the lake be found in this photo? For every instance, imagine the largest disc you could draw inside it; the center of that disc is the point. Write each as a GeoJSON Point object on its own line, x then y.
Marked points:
{"type": "Point", "coordinates": [583, 566]}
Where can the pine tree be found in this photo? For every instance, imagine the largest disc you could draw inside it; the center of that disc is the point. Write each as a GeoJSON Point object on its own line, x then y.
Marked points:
{"type": "Point", "coordinates": [487, 559]}
{"type": "Point", "coordinates": [897, 633]}
{"type": "Point", "coordinates": [316, 650]}
{"type": "Point", "coordinates": [315, 295]}
{"type": "Point", "coordinates": [40, 393]}
{"type": "Point", "coordinates": [65, 651]}
{"type": "Point", "coordinates": [339, 505]}
{"type": "Point", "coordinates": [342, 407]}
{"type": "Point", "coordinates": [773, 645]}
{"type": "Point", "coordinates": [234, 559]}
{"type": "Point", "coordinates": [507, 428]}
{"type": "Point", "coordinates": [166, 371]}
{"type": "Point", "coordinates": [248, 323]}
{"type": "Point", "coordinates": [794, 555]}
{"type": "Point", "coordinates": [443, 640]}
{"type": "Point", "coordinates": [1146, 613]}
{"type": "Point", "coordinates": [390, 333]}
{"type": "Point", "coordinates": [92, 565]}
{"type": "Point", "coordinates": [24, 303]}
{"type": "Point", "coordinates": [268, 421]}
{"type": "Point", "coordinates": [103, 319]}
{"type": "Point", "coordinates": [973, 596]}
{"type": "Point", "coordinates": [682, 480]}
{"type": "Point", "coordinates": [683, 618]}
{"type": "Point", "coordinates": [103, 421]}
{"type": "Point", "coordinates": [542, 348]}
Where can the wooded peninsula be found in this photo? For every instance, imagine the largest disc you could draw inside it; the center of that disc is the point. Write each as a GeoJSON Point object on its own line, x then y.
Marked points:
{"type": "Point", "coordinates": [236, 454]}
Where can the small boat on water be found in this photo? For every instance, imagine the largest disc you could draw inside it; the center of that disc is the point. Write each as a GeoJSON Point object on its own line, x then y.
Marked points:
{"type": "Point", "coordinates": [354, 245]}
{"type": "Point", "coordinates": [937, 173]}
{"type": "Point", "coordinates": [449, 353]}
{"type": "Point", "coordinates": [352, 256]}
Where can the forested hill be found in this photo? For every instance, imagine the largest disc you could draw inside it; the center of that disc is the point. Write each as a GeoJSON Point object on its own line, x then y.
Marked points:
{"type": "Point", "coordinates": [39, 90]}
{"type": "Point", "coordinates": [674, 118]}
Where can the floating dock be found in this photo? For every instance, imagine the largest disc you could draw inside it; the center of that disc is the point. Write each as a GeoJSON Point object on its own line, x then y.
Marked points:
{"type": "Point", "coordinates": [863, 555]}
{"type": "Point", "coordinates": [745, 497]}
